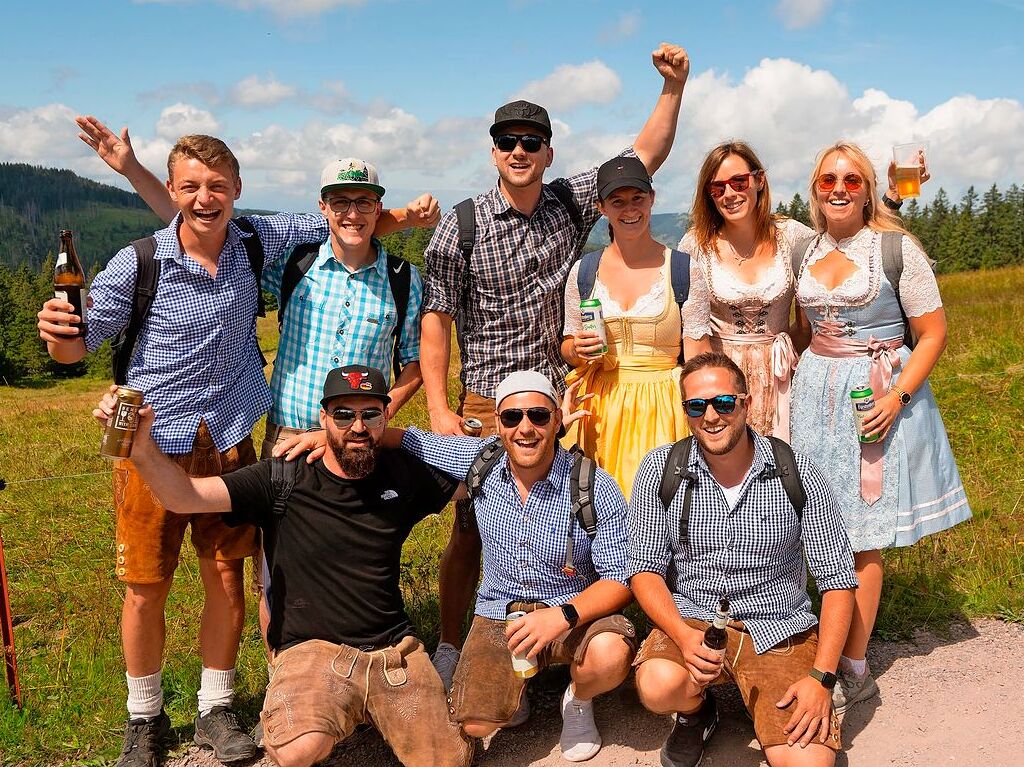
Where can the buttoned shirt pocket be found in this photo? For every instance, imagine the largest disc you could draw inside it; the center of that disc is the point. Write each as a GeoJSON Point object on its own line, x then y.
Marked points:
{"type": "Point", "coordinates": [378, 326]}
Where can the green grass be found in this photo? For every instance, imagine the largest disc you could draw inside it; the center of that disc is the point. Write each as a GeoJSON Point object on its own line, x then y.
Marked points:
{"type": "Point", "coordinates": [58, 537]}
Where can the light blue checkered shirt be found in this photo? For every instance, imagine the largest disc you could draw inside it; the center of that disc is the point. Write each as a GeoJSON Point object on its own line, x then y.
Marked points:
{"type": "Point", "coordinates": [197, 356]}
{"type": "Point", "coordinates": [335, 318]}
{"type": "Point", "coordinates": [524, 544]}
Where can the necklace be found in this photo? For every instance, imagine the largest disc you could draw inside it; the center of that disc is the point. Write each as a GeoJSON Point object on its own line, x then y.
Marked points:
{"type": "Point", "coordinates": [738, 257]}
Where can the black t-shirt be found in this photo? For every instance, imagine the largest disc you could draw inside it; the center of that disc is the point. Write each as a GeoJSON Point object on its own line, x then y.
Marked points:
{"type": "Point", "coordinates": [335, 553]}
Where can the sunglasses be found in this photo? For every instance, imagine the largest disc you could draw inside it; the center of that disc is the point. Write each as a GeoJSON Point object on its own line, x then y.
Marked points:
{"type": "Point", "coordinates": [724, 404]}
{"type": "Point", "coordinates": [506, 142]}
{"type": "Point", "coordinates": [739, 183]}
{"type": "Point", "coordinates": [342, 204]}
{"type": "Point", "coordinates": [827, 182]}
{"type": "Point", "coordinates": [513, 416]}
{"type": "Point", "coordinates": [344, 417]}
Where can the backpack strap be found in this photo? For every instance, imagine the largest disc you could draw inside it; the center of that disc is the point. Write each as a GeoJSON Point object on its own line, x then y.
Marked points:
{"type": "Point", "coordinates": [799, 253]}
{"type": "Point", "coordinates": [254, 251]}
{"type": "Point", "coordinates": [282, 480]}
{"type": "Point", "coordinates": [586, 277]}
{"type": "Point", "coordinates": [581, 491]}
{"type": "Point", "coordinates": [560, 188]}
{"type": "Point", "coordinates": [679, 266]}
{"type": "Point", "coordinates": [465, 216]}
{"type": "Point", "coordinates": [786, 470]}
{"type": "Point", "coordinates": [146, 277]}
{"type": "Point", "coordinates": [299, 262]}
{"type": "Point", "coordinates": [676, 470]}
{"type": "Point", "coordinates": [400, 280]}
{"type": "Point", "coordinates": [482, 465]}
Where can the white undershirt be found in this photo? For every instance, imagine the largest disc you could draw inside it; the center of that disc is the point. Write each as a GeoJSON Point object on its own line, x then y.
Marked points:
{"type": "Point", "coordinates": [732, 494]}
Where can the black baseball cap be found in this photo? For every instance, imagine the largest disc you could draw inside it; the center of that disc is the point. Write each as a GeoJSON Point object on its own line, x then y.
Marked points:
{"type": "Point", "coordinates": [622, 172]}
{"type": "Point", "coordinates": [356, 380]}
{"type": "Point", "coordinates": [521, 113]}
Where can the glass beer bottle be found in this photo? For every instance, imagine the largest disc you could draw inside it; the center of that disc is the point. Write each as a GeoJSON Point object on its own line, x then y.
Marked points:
{"type": "Point", "coordinates": [69, 278]}
{"type": "Point", "coordinates": [715, 636]}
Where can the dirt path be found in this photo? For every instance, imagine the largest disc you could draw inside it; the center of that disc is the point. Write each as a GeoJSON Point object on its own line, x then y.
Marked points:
{"type": "Point", "coordinates": [945, 700]}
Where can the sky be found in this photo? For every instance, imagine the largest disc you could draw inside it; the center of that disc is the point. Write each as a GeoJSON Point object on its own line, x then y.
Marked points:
{"type": "Point", "coordinates": [411, 86]}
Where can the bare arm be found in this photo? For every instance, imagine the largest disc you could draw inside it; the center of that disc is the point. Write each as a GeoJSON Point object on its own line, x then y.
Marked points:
{"type": "Point", "coordinates": [800, 330]}
{"type": "Point", "coordinates": [836, 614]}
{"type": "Point", "coordinates": [405, 386]}
{"type": "Point", "coordinates": [435, 356]}
{"type": "Point", "coordinates": [420, 213]}
{"type": "Point", "coordinates": [654, 142]}
{"type": "Point", "coordinates": [63, 343]}
{"type": "Point", "coordinates": [694, 346]}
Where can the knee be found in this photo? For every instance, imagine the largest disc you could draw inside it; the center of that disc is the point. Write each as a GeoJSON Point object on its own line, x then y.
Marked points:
{"type": "Point", "coordinates": [146, 598]}
{"type": "Point", "coordinates": [227, 576]}
{"type": "Point", "coordinates": [478, 729]}
{"type": "Point", "coordinates": [815, 755]}
{"type": "Point", "coordinates": [608, 657]}
{"type": "Point", "coordinates": [303, 751]}
{"type": "Point", "coordinates": [660, 683]}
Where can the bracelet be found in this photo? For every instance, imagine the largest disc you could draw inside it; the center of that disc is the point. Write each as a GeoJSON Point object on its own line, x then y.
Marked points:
{"type": "Point", "coordinates": [890, 203]}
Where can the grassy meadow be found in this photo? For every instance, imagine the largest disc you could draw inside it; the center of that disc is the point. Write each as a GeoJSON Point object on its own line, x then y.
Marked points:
{"type": "Point", "coordinates": [58, 537]}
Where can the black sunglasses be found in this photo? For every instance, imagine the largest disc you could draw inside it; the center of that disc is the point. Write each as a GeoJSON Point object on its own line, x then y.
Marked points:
{"type": "Point", "coordinates": [724, 404]}
{"type": "Point", "coordinates": [506, 142]}
{"type": "Point", "coordinates": [513, 416]}
{"type": "Point", "coordinates": [344, 417]}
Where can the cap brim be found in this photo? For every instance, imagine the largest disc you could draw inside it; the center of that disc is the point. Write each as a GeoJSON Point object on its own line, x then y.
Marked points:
{"type": "Point", "coordinates": [624, 183]}
{"type": "Point", "coordinates": [378, 190]}
{"type": "Point", "coordinates": [382, 397]}
{"type": "Point", "coordinates": [503, 125]}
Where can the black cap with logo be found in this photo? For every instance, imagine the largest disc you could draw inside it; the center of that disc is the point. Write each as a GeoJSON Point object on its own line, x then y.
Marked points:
{"type": "Point", "coordinates": [355, 380]}
{"type": "Point", "coordinates": [621, 172]}
{"type": "Point", "coordinates": [521, 113]}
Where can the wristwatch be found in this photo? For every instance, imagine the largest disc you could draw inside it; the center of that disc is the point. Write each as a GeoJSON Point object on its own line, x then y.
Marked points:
{"type": "Point", "coordinates": [890, 203]}
{"type": "Point", "coordinates": [904, 397]}
{"type": "Point", "coordinates": [571, 616]}
{"type": "Point", "coordinates": [827, 678]}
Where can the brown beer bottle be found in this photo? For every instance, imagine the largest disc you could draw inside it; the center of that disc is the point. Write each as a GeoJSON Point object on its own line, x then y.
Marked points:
{"type": "Point", "coordinates": [69, 278]}
{"type": "Point", "coordinates": [715, 637]}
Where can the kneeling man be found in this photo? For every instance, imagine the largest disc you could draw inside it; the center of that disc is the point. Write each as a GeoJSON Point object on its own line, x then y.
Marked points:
{"type": "Point", "coordinates": [744, 538]}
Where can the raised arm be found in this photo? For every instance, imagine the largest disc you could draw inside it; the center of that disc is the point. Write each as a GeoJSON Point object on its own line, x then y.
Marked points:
{"type": "Point", "coordinates": [421, 213]}
{"type": "Point", "coordinates": [654, 141]}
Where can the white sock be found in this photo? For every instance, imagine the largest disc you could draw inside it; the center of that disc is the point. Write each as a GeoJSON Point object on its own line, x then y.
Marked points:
{"type": "Point", "coordinates": [217, 688]}
{"type": "Point", "coordinates": [855, 667]}
{"type": "Point", "coordinates": [574, 696]}
{"type": "Point", "coordinates": [145, 696]}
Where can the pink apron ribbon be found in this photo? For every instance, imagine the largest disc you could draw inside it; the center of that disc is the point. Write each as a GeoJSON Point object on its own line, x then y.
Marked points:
{"type": "Point", "coordinates": [784, 359]}
{"type": "Point", "coordinates": [884, 360]}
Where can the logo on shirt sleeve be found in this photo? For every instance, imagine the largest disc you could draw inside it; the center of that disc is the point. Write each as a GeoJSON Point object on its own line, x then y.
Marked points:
{"type": "Point", "coordinates": [388, 495]}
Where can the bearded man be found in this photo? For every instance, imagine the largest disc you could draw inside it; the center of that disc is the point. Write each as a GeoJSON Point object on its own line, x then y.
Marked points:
{"type": "Point", "coordinates": [333, 541]}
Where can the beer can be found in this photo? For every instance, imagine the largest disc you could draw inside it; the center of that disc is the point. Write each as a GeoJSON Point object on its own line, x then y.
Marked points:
{"type": "Point", "coordinates": [472, 427]}
{"type": "Point", "coordinates": [863, 399]}
{"type": "Point", "coordinates": [120, 431]}
{"type": "Point", "coordinates": [592, 316]}
{"type": "Point", "coordinates": [522, 666]}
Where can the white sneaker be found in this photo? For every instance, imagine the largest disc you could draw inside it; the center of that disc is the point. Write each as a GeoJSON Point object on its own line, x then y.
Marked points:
{"type": "Point", "coordinates": [580, 739]}
{"type": "Point", "coordinates": [445, 659]}
{"type": "Point", "coordinates": [852, 689]}
{"type": "Point", "coordinates": [521, 715]}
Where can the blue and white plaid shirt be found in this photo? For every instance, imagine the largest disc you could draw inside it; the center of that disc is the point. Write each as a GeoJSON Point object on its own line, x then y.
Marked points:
{"type": "Point", "coordinates": [335, 318]}
{"type": "Point", "coordinates": [197, 357]}
{"type": "Point", "coordinates": [753, 553]}
{"type": "Point", "coordinates": [524, 544]}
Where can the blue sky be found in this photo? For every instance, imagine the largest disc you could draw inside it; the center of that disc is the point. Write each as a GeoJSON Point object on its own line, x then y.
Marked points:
{"type": "Point", "coordinates": [410, 85]}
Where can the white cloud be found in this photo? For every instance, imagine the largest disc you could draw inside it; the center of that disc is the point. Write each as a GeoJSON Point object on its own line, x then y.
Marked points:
{"type": "Point", "coordinates": [42, 136]}
{"type": "Point", "coordinates": [623, 27]}
{"type": "Point", "coordinates": [255, 92]}
{"type": "Point", "coordinates": [180, 119]}
{"type": "Point", "coordinates": [572, 85]}
{"type": "Point", "coordinates": [797, 14]}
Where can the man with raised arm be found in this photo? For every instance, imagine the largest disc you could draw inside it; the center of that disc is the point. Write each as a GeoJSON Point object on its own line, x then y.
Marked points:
{"type": "Point", "coordinates": [742, 514]}
{"type": "Point", "coordinates": [344, 651]}
{"type": "Point", "coordinates": [501, 284]}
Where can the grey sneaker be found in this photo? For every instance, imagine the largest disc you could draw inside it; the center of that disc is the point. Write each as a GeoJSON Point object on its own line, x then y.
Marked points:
{"type": "Point", "coordinates": [445, 659]}
{"type": "Point", "coordinates": [256, 733]}
{"type": "Point", "coordinates": [580, 739]}
{"type": "Point", "coordinates": [220, 731]}
{"type": "Point", "coordinates": [852, 689]}
{"type": "Point", "coordinates": [144, 739]}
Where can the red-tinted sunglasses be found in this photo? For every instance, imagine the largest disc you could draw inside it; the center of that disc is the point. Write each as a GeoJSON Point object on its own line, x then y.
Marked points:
{"type": "Point", "coordinates": [827, 182]}
{"type": "Point", "coordinates": [739, 183]}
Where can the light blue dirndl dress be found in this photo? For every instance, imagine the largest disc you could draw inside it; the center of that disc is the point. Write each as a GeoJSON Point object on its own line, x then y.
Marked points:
{"type": "Point", "coordinates": [921, 492]}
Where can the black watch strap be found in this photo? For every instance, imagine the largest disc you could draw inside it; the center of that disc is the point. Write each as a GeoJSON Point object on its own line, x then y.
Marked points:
{"type": "Point", "coordinates": [571, 616]}
{"type": "Point", "coordinates": [890, 203]}
{"type": "Point", "coordinates": [827, 678]}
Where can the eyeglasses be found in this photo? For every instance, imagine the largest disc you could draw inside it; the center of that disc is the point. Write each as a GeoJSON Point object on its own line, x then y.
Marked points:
{"type": "Point", "coordinates": [342, 204]}
{"type": "Point", "coordinates": [724, 404]}
{"type": "Point", "coordinates": [827, 182]}
{"type": "Point", "coordinates": [344, 417]}
{"type": "Point", "coordinates": [506, 142]}
{"type": "Point", "coordinates": [739, 183]}
{"type": "Point", "coordinates": [513, 416]}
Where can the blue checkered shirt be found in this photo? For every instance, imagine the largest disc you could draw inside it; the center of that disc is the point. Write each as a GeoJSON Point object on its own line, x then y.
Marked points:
{"type": "Point", "coordinates": [335, 318]}
{"type": "Point", "coordinates": [524, 544]}
{"type": "Point", "coordinates": [197, 357]}
{"type": "Point", "coordinates": [508, 304]}
{"type": "Point", "coordinates": [753, 553]}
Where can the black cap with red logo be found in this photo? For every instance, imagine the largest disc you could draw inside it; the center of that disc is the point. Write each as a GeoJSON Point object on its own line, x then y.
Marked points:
{"type": "Point", "coordinates": [355, 380]}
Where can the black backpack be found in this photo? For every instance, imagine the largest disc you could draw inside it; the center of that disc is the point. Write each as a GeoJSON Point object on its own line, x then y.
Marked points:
{"type": "Point", "coordinates": [581, 490]}
{"type": "Point", "coordinates": [677, 469]}
{"type": "Point", "coordinates": [282, 480]}
{"type": "Point", "coordinates": [679, 265]}
{"type": "Point", "coordinates": [399, 279]}
{"type": "Point", "coordinates": [146, 279]}
{"type": "Point", "coordinates": [465, 215]}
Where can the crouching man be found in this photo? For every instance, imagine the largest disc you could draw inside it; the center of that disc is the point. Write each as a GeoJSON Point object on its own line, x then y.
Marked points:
{"type": "Point", "coordinates": [730, 525]}
{"type": "Point", "coordinates": [344, 651]}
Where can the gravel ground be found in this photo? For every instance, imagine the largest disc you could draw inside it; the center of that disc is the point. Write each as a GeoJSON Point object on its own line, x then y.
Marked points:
{"type": "Point", "coordinates": [946, 699]}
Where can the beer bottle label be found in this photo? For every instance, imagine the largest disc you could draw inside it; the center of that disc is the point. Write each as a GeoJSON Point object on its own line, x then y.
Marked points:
{"type": "Point", "coordinates": [126, 417]}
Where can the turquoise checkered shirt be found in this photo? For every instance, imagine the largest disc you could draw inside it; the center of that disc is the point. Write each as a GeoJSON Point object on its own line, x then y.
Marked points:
{"type": "Point", "coordinates": [335, 318]}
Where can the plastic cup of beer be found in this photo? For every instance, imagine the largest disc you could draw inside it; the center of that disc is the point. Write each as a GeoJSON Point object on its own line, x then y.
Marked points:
{"type": "Point", "coordinates": [908, 159]}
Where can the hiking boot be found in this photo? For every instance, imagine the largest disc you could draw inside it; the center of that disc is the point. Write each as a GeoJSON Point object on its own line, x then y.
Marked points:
{"type": "Point", "coordinates": [144, 739]}
{"type": "Point", "coordinates": [445, 659]}
{"type": "Point", "coordinates": [220, 731]}
{"type": "Point", "coordinates": [851, 689]}
{"type": "Point", "coordinates": [580, 739]}
{"type": "Point", "coordinates": [521, 715]}
{"type": "Point", "coordinates": [684, 746]}
{"type": "Point", "coordinates": [256, 733]}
